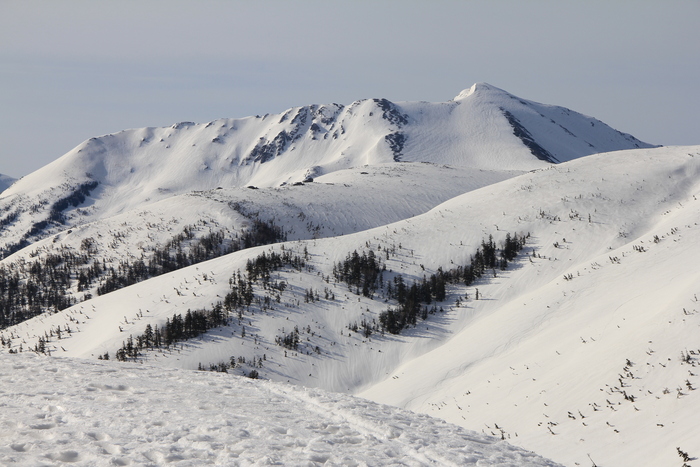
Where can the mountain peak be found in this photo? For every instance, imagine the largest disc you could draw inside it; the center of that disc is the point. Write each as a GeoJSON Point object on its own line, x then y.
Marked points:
{"type": "Point", "coordinates": [494, 130]}
{"type": "Point", "coordinates": [477, 88]}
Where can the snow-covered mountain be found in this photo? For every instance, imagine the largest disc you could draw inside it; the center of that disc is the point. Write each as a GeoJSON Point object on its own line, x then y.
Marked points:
{"type": "Point", "coordinates": [171, 197]}
{"type": "Point", "coordinates": [583, 346]}
{"type": "Point", "coordinates": [213, 249]}
{"type": "Point", "coordinates": [189, 228]}
{"type": "Point", "coordinates": [482, 128]}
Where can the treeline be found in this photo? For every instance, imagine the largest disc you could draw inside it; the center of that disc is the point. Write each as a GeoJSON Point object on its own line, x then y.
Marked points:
{"type": "Point", "coordinates": [29, 289]}
{"type": "Point", "coordinates": [362, 272]}
{"type": "Point", "coordinates": [238, 299]}
{"type": "Point", "coordinates": [174, 255]}
{"type": "Point", "coordinates": [176, 329]}
{"type": "Point", "coordinates": [181, 251]}
{"type": "Point", "coordinates": [74, 199]}
{"type": "Point", "coordinates": [56, 216]}
{"type": "Point", "coordinates": [197, 322]}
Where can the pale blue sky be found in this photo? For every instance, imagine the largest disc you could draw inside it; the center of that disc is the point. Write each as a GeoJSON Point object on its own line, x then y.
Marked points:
{"type": "Point", "coordinates": [75, 69]}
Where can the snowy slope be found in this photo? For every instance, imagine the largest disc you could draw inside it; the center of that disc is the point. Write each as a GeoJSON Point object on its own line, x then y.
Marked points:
{"type": "Point", "coordinates": [339, 203]}
{"type": "Point", "coordinates": [483, 128]}
{"type": "Point", "coordinates": [58, 411]}
{"type": "Point", "coordinates": [592, 348]}
{"type": "Point", "coordinates": [614, 244]}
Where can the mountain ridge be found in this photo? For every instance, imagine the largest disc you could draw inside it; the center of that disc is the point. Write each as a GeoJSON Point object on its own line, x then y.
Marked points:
{"type": "Point", "coordinates": [5, 182]}
{"type": "Point", "coordinates": [486, 128]}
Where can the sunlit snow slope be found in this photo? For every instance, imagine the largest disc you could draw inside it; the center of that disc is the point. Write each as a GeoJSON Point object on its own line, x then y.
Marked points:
{"type": "Point", "coordinates": [590, 349]}
{"type": "Point", "coordinates": [339, 203]}
{"type": "Point", "coordinates": [582, 349]}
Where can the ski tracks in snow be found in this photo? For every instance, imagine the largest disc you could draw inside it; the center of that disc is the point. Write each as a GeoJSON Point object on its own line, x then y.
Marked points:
{"type": "Point", "coordinates": [392, 436]}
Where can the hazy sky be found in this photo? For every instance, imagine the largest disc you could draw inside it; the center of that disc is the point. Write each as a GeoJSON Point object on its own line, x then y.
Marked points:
{"type": "Point", "coordinates": [73, 69]}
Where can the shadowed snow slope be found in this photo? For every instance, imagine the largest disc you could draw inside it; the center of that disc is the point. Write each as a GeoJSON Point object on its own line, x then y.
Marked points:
{"type": "Point", "coordinates": [483, 128]}
{"type": "Point", "coordinates": [57, 411]}
{"type": "Point", "coordinates": [5, 182]}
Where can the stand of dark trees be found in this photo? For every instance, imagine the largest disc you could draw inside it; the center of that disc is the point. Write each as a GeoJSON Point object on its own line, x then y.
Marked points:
{"type": "Point", "coordinates": [176, 329]}
{"type": "Point", "coordinates": [197, 322]}
{"type": "Point", "coordinates": [364, 273]}
{"type": "Point", "coordinates": [412, 298]}
{"type": "Point", "coordinates": [290, 340]}
{"type": "Point", "coordinates": [259, 270]}
{"type": "Point", "coordinates": [172, 257]}
{"type": "Point", "coordinates": [361, 272]}
{"type": "Point", "coordinates": [28, 289]}
{"type": "Point", "coordinates": [55, 217]}
{"type": "Point", "coordinates": [42, 285]}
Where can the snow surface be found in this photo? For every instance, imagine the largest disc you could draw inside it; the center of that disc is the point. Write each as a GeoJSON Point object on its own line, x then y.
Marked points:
{"type": "Point", "coordinates": [338, 203]}
{"type": "Point", "coordinates": [540, 360]}
{"type": "Point", "coordinates": [58, 411]}
{"type": "Point", "coordinates": [592, 365]}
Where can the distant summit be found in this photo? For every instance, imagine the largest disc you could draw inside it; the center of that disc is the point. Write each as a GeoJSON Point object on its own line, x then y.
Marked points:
{"type": "Point", "coordinates": [484, 128]}
{"type": "Point", "coordinates": [478, 87]}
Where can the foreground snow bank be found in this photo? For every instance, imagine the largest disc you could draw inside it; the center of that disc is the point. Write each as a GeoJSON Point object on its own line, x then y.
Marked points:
{"type": "Point", "coordinates": [58, 410]}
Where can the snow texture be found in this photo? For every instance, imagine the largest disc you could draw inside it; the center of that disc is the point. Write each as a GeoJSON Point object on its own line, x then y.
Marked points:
{"type": "Point", "coordinates": [540, 359]}
{"type": "Point", "coordinates": [58, 411]}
